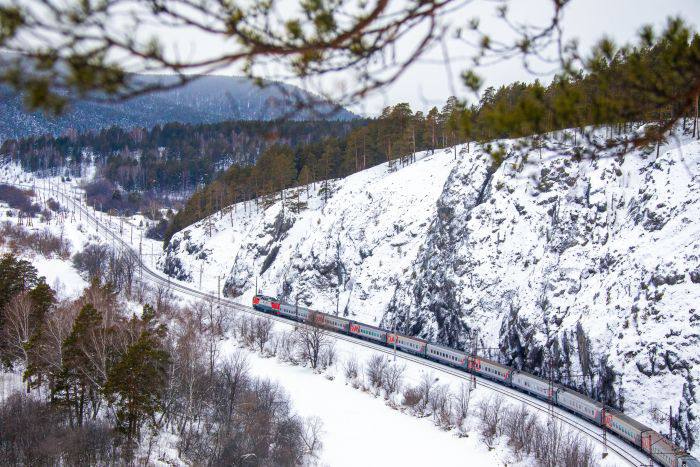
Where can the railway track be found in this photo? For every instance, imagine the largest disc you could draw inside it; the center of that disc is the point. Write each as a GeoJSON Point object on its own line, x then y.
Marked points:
{"type": "Point", "coordinates": [613, 444]}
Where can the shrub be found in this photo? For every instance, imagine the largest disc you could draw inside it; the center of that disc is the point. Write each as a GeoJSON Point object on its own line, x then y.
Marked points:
{"type": "Point", "coordinates": [105, 196]}
{"type": "Point", "coordinates": [92, 261]}
{"type": "Point", "coordinates": [157, 232]}
{"type": "Point", "coordinates": [20, 239]}
{"type": "Point", "coordinates": [19, 199]}
{"type": "Point", "coordinates": [33, 433]}
{"type": "Point", "coordinates": [53, 205]}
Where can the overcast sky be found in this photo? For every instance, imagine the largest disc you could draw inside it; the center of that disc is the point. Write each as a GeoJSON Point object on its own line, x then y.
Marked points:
{"type": "Point", "coordinates": [430, 82]}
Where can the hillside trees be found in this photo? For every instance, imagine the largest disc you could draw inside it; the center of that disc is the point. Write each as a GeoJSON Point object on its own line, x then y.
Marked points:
{"type": "Point", "coordinates": [19, 311]}
{"type": "Point", "coordinates": [170, 158]}
{"type": "Point", "coordinates": [135, 383]}
{"type": "Point", "coordinates": [104, 374]}
{"type": "Point", "coordinates": [398, 133]}
{"type": "Point", "coordinates": [651, 82]}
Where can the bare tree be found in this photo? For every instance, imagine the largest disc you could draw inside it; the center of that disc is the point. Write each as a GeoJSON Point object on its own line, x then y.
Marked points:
{"type": "Point", "coordinates": [274, 344]}
{"type": "Point", "coordinates": [393, 378]}
{"type": "Point", "coordinates": [490, 414]}
{"type": "Point", "coordinates": [416, 398]}
{"type": "Point", "coordinates": [351, 368]}
{"type": "Point", "coordinates": [93, 261]}
{"type": "Point", "coordinates": [128, 267]}
{"type": "Point", "coordinates": [163, 300]}
{"type": "Point", "coordinates": [288, 347]}
{"type": "Point", "coordinates": [520, 426]}
{"type": "Point", "coordinates": [328, 355]}
{"type": "Point", "coordinates": [190, 364]}
{"type": "Point", "coordinates": [17, 327]}
{"type": "Point", "coordinates": [262, 331]}
{"type": "Point", "coordinates": [462, 399]}
{"type": "Point", "coordinates": [375, 370]}
{"type": "Point", "coordinates": [311, 436]}
{"type": "Point", "coordinates": [234, 377]}
{"type": "Point", "coordinates": [440, 403]}
{"type": "Point", "coordinates": [412, 400]}
{"type": "Point", "coordinates": [313, 339]}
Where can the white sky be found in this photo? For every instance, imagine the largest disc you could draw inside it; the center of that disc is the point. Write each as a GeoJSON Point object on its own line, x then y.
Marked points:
{"type": "Point", "coordinates": [429, 82]}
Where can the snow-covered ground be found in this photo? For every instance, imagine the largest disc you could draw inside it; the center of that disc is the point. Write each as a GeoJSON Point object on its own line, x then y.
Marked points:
{"type": "Point", "coordinates": [59, 272]}
{"type": "Point", "coordinates": [600, 257]}
{"type": "Point", "coordinates": [358, 427]}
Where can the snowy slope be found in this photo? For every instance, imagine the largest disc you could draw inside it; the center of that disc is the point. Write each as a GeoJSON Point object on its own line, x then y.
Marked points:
{"type": "Point", "coordinates": [59, 272]}
{"type": "Point", "coordinates": [346, 412]}
{"type": "Point", "coordinates": [599, 258]}
{"type": "Point", "coordinates": [346, 252]}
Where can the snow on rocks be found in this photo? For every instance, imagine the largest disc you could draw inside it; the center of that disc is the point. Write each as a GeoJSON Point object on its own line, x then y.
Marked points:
{"type": "Point", "coordinates": [598, 259]}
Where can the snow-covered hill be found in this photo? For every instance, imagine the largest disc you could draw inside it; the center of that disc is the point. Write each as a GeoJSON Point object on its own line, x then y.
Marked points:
{"type": "Point", "coordinates": [598, 260]}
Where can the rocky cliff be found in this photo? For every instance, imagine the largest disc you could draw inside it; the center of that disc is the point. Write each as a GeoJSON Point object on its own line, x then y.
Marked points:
{"type": "Point", "coordinates": [584, 269]}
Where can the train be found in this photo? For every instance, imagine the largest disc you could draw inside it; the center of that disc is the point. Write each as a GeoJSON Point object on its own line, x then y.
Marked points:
{"type": "Point", "coordinates": [657, 446]}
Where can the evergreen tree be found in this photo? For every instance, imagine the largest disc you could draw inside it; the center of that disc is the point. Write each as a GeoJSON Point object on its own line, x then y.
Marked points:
{"type": "Point", "coordinates": [16, 276]}
{"type": "Point", "coordinates": [135, 384]}
{"type": "Point", "coordinates": [78, 383]}
{"type": "Point", "coordinates": [42, 298]}
{"type": "Point", "coordinates": [432, 128]}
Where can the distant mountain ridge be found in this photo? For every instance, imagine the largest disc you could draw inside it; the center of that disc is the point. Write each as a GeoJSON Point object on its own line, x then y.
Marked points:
{"type": "Point", "coordinates": [208, 99]}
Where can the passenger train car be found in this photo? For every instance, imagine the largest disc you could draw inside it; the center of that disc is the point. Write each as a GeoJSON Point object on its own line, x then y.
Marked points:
{"type": "Point", "coordinates": [649, 441]}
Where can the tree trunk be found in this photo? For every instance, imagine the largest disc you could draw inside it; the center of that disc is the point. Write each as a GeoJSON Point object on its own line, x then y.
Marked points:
{"type": "Point", "coordinates": [695, 123]}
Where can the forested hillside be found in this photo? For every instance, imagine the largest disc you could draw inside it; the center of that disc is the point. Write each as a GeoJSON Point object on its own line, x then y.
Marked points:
{"type": "Point", "coordinates": [631, 86]}
{"type": "Point", "coordinates": [172, 158]}
{"type": "Point", "coordinates": [261, 159]}
{"type": "Point", "coordinates": [209, 99]}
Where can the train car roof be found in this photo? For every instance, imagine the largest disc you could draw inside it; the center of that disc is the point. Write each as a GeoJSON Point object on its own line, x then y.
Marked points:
{"type": "Point", "coordinates": [265, 297]}
{"type": "Point", "coordinates": [491, 362]}
{"type": "Point", "coordinates": [630, 421]}
{"type": "Point", "coordinates": [368, 326]}
{"type": "Point", "coordinates": [444, 347]}
{"type": "Point", "coordinates": [579, 395]}
{"type": "Point", "coordinates": [530, 375]}
{"type": "Point", "coordinates": [409, 337]}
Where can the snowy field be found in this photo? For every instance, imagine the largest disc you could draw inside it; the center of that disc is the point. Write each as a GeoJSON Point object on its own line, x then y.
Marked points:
{"type": "Point", "coordinates": [351, 417]}
{"type": "Point", "coordinates": [358, 422]}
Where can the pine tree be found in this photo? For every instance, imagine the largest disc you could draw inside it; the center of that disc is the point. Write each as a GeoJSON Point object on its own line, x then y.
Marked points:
{"type": "Point", "coordinates": [432, 122]}
{"type": "Point", "coordinates": [42, 298]}
{"type": "Point", "coordinates": [16, 276]}
{"type": "Point", "coordinates": [136, 382]}
{"type": "Point", "coordinates": [78, 384]}
{"type": "Point", "coordinates": [305, 178]}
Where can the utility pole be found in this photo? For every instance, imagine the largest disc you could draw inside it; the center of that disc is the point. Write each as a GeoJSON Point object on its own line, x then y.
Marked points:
{"type": "Point", "coordinates": [550, 390]}
{"type": "Point", "coordinates": [605, 432]}
{"type": "Point", "coordinates": [218, 288]}
{"type": "Point", "coordinates": [141, 257]}
{"type": "Point", "coordinates": [395, 338]}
